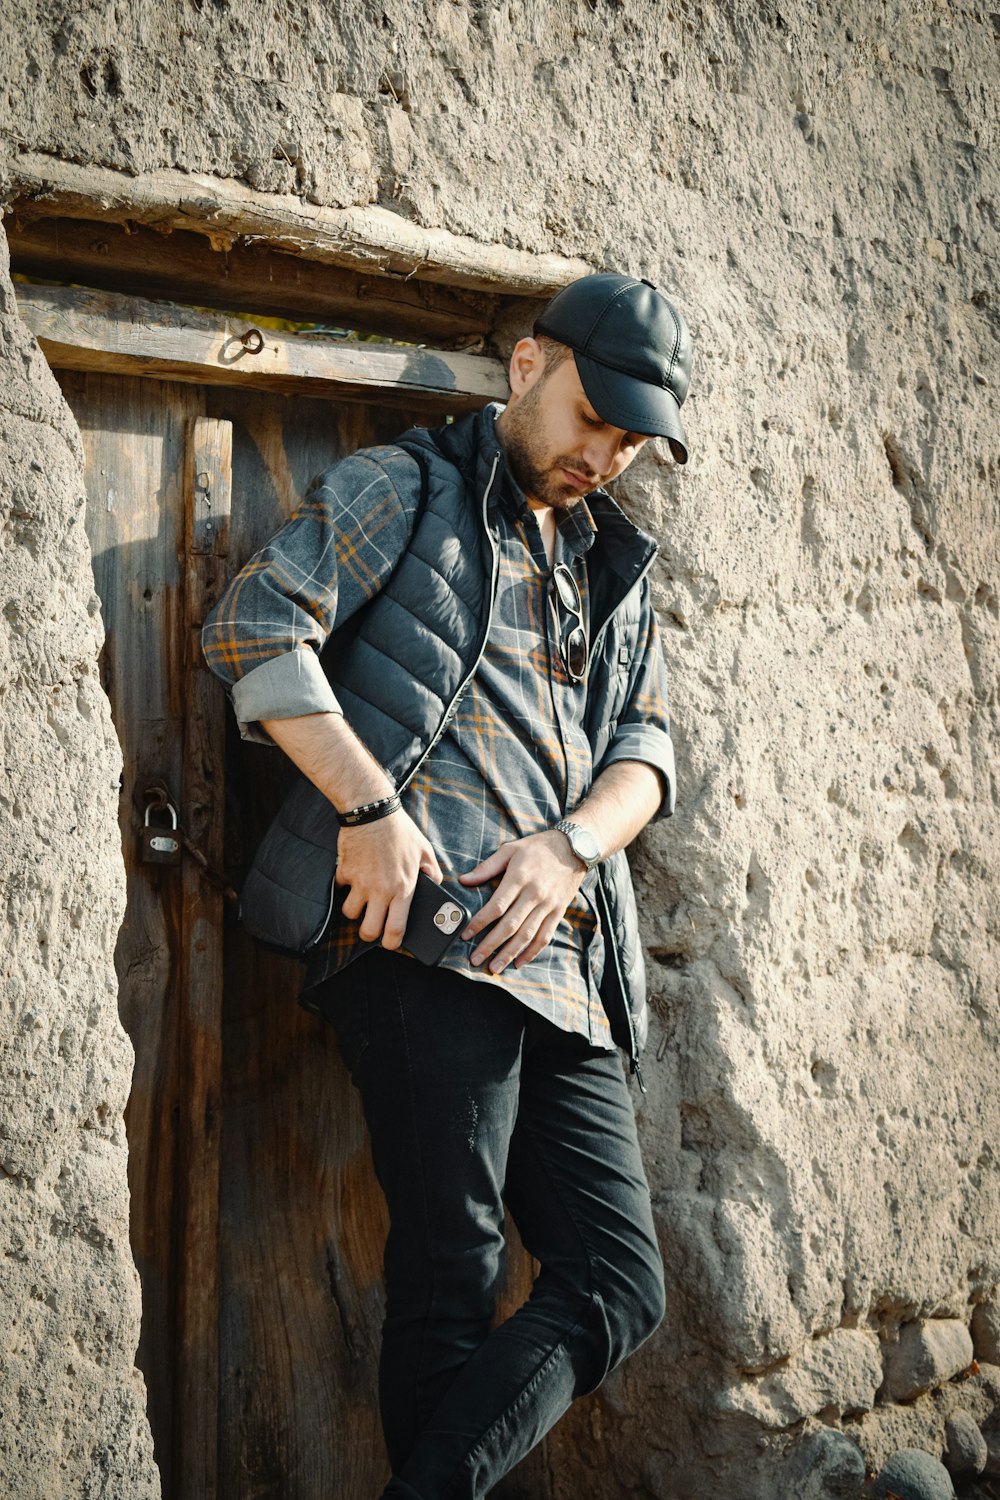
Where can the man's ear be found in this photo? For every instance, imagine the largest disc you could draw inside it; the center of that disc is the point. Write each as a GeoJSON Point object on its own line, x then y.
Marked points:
{"type": "Point", "coordinates": [526, 365]}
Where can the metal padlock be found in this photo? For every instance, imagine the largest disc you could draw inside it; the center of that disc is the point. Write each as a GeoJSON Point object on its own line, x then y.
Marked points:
{"type": "Point", "coordinates": [161, 846]}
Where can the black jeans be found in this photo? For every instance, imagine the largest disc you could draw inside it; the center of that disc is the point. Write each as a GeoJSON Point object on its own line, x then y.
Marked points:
{"type": "Point", "coordinates": [473, 1101]}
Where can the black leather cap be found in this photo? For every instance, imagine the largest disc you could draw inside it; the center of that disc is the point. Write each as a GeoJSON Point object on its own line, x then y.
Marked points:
{"type": "Point", "coordinates": [632, 351]}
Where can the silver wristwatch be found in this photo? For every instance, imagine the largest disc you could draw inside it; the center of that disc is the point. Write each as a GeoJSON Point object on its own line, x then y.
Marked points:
{"type": "Point", "coordinates": [582, 842]}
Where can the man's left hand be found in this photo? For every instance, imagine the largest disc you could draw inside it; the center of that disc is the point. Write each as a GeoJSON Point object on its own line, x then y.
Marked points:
{"type": "Point", "coordinates": [540, 876]}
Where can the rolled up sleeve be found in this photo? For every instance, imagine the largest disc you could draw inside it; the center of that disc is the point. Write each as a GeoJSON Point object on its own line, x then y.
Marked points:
{"type": "Point", "coordinates": [284, 687]}
{"type": "Point", "coordinates": [655, 748]}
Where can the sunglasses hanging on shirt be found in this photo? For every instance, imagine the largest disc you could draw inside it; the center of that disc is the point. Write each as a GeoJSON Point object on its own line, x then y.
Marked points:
{"type": "Point", "coordinates": [574, 646]}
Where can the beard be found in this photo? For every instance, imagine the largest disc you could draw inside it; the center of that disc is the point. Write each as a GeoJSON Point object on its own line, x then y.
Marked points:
{"type": "Point", "coordinates": [537, 474]}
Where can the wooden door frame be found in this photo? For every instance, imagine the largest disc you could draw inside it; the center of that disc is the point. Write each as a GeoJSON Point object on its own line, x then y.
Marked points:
{"type": "Point", "coordinates": [79, 329]}
{"type": "Point", "coordinates": [108, 333]}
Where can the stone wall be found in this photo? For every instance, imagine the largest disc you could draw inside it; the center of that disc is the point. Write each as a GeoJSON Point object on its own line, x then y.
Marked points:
{"type": "Point", "coordinates": [819, 190]}
{"type": "Point", "coordinates": [73, 1403]}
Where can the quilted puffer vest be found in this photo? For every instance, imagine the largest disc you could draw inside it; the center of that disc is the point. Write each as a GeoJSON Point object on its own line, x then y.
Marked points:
{"type": "Point", "coordinates": [400, 666]}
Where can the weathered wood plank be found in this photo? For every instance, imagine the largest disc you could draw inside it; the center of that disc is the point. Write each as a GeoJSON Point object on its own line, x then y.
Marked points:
{"type": "Point", "coordinates": [362, 238]}
{"type": "Point", "coordinates": [207, 506]}
{"type": "Point", "coordinates": [179, 265]}
{"type": "Point", "coordinates": [86, 330]}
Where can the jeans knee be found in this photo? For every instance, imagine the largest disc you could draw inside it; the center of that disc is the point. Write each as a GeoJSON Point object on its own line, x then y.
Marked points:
{"type": "Point", "coordinates": [634, 1301]}
{"type": "Point", "coordinates": [651, 1300]}
{"type": "Point", "coordinates": [450, 1290]}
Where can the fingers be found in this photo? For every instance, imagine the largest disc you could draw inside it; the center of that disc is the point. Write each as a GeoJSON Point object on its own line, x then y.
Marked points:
{"type": "Point", "coordinates": [524, 944]}
{"type": "Point", "coordinates": [541, 940]}
{"type": "Point", "coordinates": [496, 907]}
{"type": "Point", "coordinates": [385, 920]}
{"type": "Point", "coordinates": [395, 922]}
{"type": "Point", "coordinates": [522, 915]}
{"type": "Point", "coordinates": [490, 868]}
{"type": "Point", "coordinates": [509, 934]}
{"type": "Point", "coordinates": [374, 922]}
{"type": "Point", "coordinates": [513, 951]}
{"type": "Point", "coordinates": [354, 901]}
{"type": "Point", "coordinates": [380, 863]}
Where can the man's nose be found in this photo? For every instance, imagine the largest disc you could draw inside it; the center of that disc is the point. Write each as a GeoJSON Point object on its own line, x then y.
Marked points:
{"type": "Point", "coordinates": [600, 452]}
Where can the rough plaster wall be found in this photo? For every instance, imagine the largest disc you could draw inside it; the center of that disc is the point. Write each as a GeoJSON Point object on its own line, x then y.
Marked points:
{"type": "Point", "coordinates": [74, 1422]}
{"type": "Point", "coordinates": [818, 188]}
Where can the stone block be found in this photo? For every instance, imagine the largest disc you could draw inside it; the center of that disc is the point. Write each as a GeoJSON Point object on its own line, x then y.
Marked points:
{"type": "Point", "coordinates": [912, 1474]}
{"type": "Point", "coordinates": [838, 1372]}
{"type": "Point", "coordinates": [986, 1332]}
{"type": "Point", "coordinates": [965, 1451]}
{"type": "Point", "coordinates": [927, 1353]}
{"type": "Point", "coordinates": [991, 1469]}
{"type": "Point", "coordinates": [826, 1466]}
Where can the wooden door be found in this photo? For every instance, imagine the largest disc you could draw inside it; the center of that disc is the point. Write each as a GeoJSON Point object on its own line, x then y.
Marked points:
{"type": "Point", "coordinates": [257, 1225]}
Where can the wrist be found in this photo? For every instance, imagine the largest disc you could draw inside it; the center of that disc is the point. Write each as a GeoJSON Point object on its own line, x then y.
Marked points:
{"type": "Point", "coordinates": [351, 776]}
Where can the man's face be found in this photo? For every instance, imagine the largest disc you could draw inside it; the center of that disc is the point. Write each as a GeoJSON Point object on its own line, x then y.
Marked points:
{"type": "Point", "coordinates": [556, 445]}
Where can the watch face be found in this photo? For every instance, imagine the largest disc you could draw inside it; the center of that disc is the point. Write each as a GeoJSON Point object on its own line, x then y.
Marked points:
{"type": "Point", "coordinates": [585, 845]}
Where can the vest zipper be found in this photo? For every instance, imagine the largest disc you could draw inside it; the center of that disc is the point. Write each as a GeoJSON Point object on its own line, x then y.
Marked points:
{"type": "Point", "coordinates": [325, 922]}
{"type": "Point", "coordinates": [611, 946]}
{"type": "Point", "coordinates": [611, 939]}
{"type": "Point", "coordinates": [638, 1074]}
{"type": "Point", "coordinates": [446, 717]}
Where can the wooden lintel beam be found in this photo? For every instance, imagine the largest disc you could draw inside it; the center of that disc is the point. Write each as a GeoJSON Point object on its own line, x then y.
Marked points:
{"type": "Point", "coordinates": [85, 330]}
{"type": "Point", "coordinates": [181, 266]}
{"type": "Point", "coordinates": [362, 238]}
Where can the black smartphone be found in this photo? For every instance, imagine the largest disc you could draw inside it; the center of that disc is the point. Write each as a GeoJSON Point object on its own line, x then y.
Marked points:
{"type": "Point", "coordinates": [433, 923]}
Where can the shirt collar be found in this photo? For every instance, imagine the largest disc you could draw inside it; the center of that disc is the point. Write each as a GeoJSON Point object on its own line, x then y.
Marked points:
{"type": "Point", "coordinates": [577, 526]}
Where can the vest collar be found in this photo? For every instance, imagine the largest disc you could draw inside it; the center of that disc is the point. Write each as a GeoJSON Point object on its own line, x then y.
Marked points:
{"type": "Point", "coordinates": [621, 551]}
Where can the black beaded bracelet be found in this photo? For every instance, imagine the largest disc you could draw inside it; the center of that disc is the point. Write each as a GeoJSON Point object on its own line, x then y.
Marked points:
{"type": "Point", "coordinates": [370, 812]}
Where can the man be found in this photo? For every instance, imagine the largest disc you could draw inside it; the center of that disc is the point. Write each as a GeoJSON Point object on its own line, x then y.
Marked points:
{"type": "Point", "coordinates": [490, 709]}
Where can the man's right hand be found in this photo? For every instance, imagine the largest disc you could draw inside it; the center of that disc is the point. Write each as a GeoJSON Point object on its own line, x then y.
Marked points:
{"type": "Point", "coordinates": [380, 862]}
